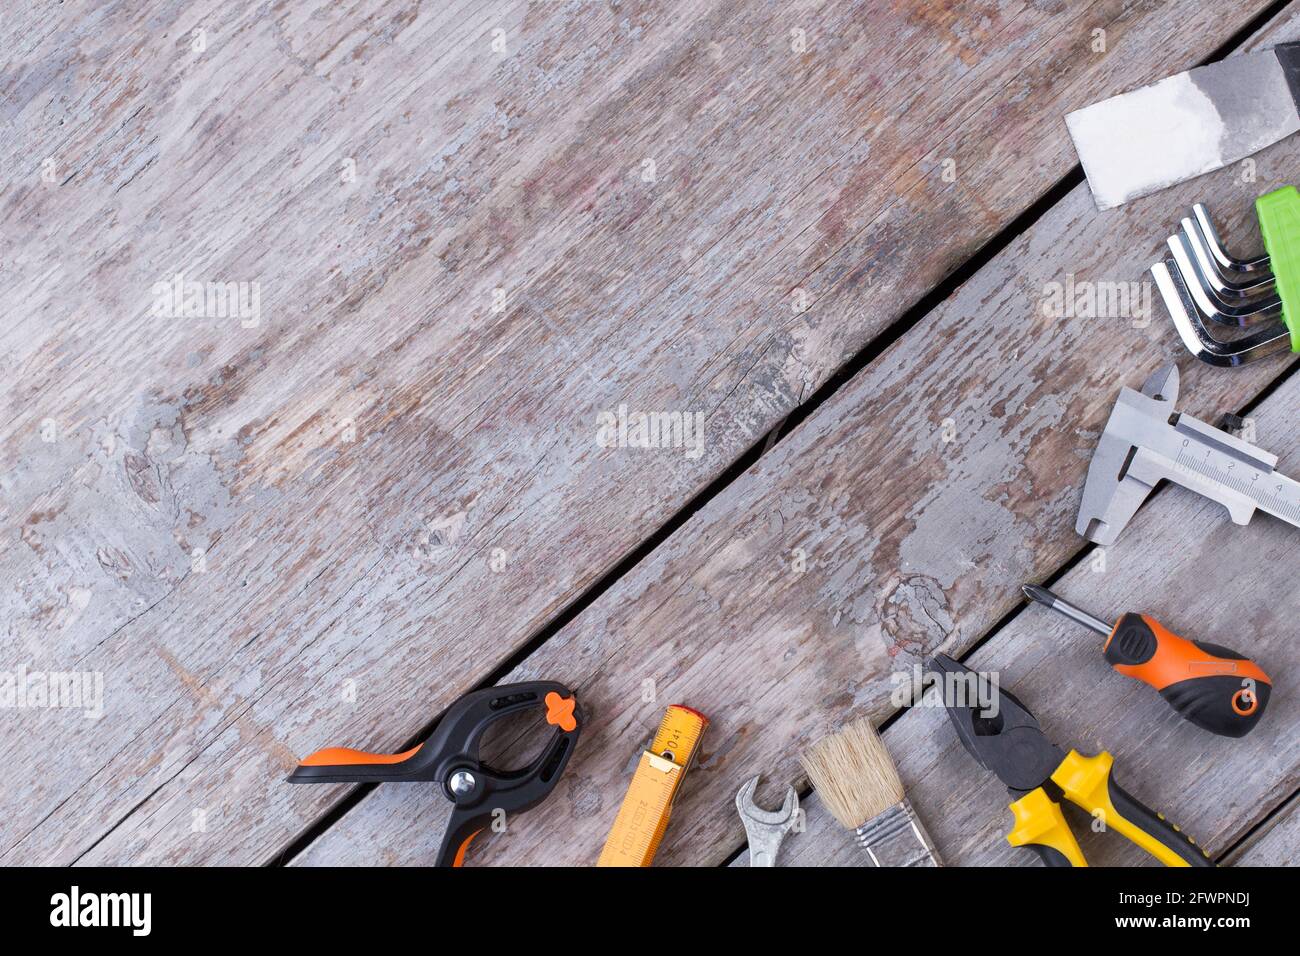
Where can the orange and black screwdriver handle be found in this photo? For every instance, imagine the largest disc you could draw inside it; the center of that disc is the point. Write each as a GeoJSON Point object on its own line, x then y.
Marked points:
{"type": "Point", "coordinates": [1215, 688]}
{"type": "Point", "coordinates": [450, 758]}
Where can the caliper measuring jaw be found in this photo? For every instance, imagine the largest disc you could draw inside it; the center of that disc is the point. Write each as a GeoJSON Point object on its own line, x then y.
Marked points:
{"type": "Point", "coordinates": [1145, 441]}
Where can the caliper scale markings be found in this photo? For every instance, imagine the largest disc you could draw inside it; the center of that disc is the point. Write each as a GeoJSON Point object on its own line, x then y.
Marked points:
{"type": "Point", "coordinates": [1283, 502]}
{"type": "Point", "coordinates": [1146, 441]}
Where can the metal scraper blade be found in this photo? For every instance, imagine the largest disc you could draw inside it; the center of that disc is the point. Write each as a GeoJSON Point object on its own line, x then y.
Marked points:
{"type": "Point", "coordinates": [1186, 125]}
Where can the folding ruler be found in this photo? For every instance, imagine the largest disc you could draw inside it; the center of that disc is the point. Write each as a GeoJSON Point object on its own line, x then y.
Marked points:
{"type": "Point", "coordinates": [643, 817]}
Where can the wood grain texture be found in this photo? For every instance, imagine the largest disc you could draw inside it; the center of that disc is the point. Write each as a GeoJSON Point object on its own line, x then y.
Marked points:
{"type": "Point", "coordinates": [914, 545]}
{"type": "Point", "coordinates": [1171, 563]}
{"type": "Point", "coordinates": [311, 460]}
{"type": "Point", "coordinates": [1277, 844]}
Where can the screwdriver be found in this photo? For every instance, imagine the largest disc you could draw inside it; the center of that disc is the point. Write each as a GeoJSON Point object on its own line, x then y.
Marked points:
{"type": "Point", "coordinates": [1216, 689]}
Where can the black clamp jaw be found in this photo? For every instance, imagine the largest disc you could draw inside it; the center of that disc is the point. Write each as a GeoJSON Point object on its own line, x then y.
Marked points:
{"type": "Point", "coordinates": [450, 758]}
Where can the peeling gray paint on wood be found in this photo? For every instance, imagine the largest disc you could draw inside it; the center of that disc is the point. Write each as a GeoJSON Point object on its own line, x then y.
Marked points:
{"type": "Point", "coordinates": [718, 620]}
{"type": "Point", "coordinates": [324, 564]}
{"type": "Point", "coordinates": [1215, 788]}
{"type": "Point", "coordinates": [719, 595]}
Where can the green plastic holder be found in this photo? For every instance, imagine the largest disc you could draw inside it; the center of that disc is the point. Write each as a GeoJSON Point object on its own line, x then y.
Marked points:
{"type": "Point", "coordinates": [1279, 223]}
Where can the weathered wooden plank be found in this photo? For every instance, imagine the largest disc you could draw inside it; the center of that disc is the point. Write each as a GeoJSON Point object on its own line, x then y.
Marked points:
{"type": "Point", "coordinates": [475, 170]}
{"type": "Point", "coordinates": [1170, 563]}
{"type": "Point", "coordinates": [1277, 844]}
{"type": "Point", "coordinates": [912, 544]}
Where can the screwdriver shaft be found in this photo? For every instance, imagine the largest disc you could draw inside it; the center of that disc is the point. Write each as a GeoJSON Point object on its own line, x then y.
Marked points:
{"type": "Point", "coordinates": [1043, 596]}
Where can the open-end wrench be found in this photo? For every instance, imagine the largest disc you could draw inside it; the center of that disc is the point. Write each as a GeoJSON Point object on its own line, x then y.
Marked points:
{"type": "Point", "coordinates": [765, 829]}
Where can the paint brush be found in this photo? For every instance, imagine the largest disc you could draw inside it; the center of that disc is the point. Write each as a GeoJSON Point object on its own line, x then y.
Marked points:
{"type": "Point", "coordinates": [855, 777]}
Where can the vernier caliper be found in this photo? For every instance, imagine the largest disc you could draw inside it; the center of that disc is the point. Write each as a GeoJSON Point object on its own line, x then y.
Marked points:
{"type": "Point", "coordinates": [1145, 441]}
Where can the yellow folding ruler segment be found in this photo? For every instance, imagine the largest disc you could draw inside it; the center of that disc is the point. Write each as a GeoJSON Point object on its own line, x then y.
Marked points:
{"type": "Point", "coordinates": [642, 819]}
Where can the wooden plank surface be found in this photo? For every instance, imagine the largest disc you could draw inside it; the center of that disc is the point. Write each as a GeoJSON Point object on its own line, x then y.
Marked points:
{"type": "Point", "coordinates": [1215, 788]}
{"type": "Point", "coordinates": [345, 468]}
{"type": "Point", "coordinates": [913, 545]}
{"type": "Point", "coordinates": [1278, 844]}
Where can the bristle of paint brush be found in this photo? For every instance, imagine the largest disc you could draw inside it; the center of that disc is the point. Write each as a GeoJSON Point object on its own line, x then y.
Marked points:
{"type": "Point", "coordinates": [855, 778]}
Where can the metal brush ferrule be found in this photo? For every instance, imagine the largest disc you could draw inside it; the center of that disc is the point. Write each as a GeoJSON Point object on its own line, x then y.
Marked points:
{"type": "Point", "coordinates": [896, 838]}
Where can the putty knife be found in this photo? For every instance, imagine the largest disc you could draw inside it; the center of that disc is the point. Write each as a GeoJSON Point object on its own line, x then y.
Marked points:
{"type": "Point", "coordinates": [1192, 123]}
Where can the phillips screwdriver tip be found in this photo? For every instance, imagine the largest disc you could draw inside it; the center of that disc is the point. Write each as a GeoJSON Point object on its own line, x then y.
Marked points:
{"type": "Point", "coordinates": [1036, 592]}
{"type": "Point", "coordinates": [1040, 594]}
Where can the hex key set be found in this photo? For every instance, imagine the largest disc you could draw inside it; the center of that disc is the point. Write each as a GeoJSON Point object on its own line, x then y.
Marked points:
{"type": "Point", "coordinates": [1204, 287]}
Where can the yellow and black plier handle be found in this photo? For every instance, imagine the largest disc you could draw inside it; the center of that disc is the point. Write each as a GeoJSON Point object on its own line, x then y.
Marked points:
{"type": "Point", "coordinates": [1086, 782]}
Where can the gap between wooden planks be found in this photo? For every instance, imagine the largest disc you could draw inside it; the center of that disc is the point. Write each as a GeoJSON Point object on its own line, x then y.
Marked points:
{"type": "Point", "coordinates": [1184, 562]}
{"type": "Point", "coordinates": [1276, 844]}
{"type": "Point", "coordinates": [259, 481]}
{"type": "Point", "coordinates": [1030, 397]}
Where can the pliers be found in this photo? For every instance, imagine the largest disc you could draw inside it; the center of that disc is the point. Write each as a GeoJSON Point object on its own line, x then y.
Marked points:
{"type": "Point", "coordinates": [1006, 739]}
{"type": "Point", "coordinates": [450, 759]}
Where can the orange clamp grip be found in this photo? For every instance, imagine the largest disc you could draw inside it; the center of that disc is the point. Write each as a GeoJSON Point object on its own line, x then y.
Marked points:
{"type": "Point", "coordinates": [345, 756]}
{"type": "Point", "coordinates": [460, 854]}
{"type": "Point", "coordinates": [559, 711]}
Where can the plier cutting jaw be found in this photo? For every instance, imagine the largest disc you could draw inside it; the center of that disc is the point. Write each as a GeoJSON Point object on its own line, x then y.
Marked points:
{"type": "Point", "coordinates": [1007, 740]}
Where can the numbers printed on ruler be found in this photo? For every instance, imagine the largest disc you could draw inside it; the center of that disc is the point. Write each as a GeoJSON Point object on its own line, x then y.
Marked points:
{"type": "Point", "coordinates": [1267, 490]}
{"type": "Point", "coordinates": [1147, 440]}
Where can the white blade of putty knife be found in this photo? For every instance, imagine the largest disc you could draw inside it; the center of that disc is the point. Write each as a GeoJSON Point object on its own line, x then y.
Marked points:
{"type": "Point", "coordinates": [1142, 141]}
